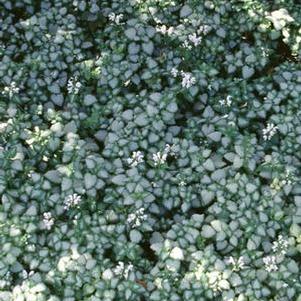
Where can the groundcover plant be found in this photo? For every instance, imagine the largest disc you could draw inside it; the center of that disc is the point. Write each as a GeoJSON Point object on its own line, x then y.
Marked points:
{"type": "Point", "coordinates": [150, 150]}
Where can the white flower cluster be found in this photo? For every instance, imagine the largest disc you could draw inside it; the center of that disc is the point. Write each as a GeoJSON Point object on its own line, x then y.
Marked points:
{"type": "Point", "coordinates": [277, 184]}
{"type": "Point", "coordinates": [48, 220]}
{"type": "Point", "coordinates": [170, 150]}
{"type": "Point", "coordinates": [163, 29]}
{"type": "Point", "coordinates": [204, 29]}
{"type": "Point", "coordinates": [193, 40]}
{"type": "Point", "coordinates": [226, 102]}
{"type": "Point", "coordinates": [73, 85]}
{"type": "Point", "coordinates": [270, 263]}
{"type": "Point", "coordinates": [72, 200]}
{"type": "Point", "coordinates": [11, 90]}
{"type": "Point", "coordinates": [136, 219]}
{"type": "Point", "coordinates": [237, 264]}
{"type": "Point", "coordinates": [269, 131]}
{"type": "Point", "coordinates": [115, 18]}
{"type": "Point", "coordinates": [289, 178]}
{"type": "Point", "coordinates": [160, 158]}
{"type": "Point", "coordinates": [280, 246]}
{"type": "Point", "coordinates": [187, 79]}
{"type": "Point", "coordinates": [122, 269]}
{"type": "Point", "coordinates": [137, 157]}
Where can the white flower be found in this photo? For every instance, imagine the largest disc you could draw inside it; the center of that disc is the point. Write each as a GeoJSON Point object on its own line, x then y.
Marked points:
{"type": "Point", "coordinates": [48, 220]}
{"type": "Point", "coordinates": [126, 83]}
{"type": "Point", "coordinates": [162, 29]}
{"type": "Point", "coordinates": [115, 18]}
{"type": "Point", "coordinates": [237, 264]}
{"type": "Point", "coordinates": [129, 268]}
{"type": "Point", "coordinates": [131, 217]}
{"type": "Point", "coordinates": [226, 102]}
{"type": "Point", "coordinates": [270, 263]}
{"type": "Point", "coordinates": [280, 246]}
{"type": "Point", "coordinates": [118, 19]}
{"type": "Point", "coordinates": [186, 45]}
{"type": "Point", "coordinates": [182, 183]}
{"type": "Point", "coordinates": [194, 39]}
{"type": "Point", "coordinates": [269, 131]}
{"type": "Point", "coordinates": [165, 30]}
{"type": "Point", "coordinates": [137, 157]}
{"type": "Point", "coordinates": [204, 29]}
{"type": "Point", "coordinates": [289, 177]}
{"type": "Point", "coordinates": [3, 126]}
{"type": "Point", "coordinates": [11, 90]}
{"type": "Point", "coordinates": [174, 72]}
{"type": "Point", "coordinates": [159, 158]}
{"type": "Point", "coordinates": [170, 150]}
{"type": "Point", "coordinates": [111, 17]}
{"type": "Point", "coordinates": [123, 270]}
{"type": "Point", "coordinates": [187, 79]}
{"type": "Point", "coordinates": [119, 268]}
{"type": "Point", "coordinates": [136, 219]}
{"type": "Point", "coordinates": [73, 85]}
{"type": "Point", "coordinates": [71, 200]}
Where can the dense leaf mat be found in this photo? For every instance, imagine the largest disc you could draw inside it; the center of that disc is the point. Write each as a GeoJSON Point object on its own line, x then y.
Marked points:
{"type": "Point", "coordinates": [150, 150]}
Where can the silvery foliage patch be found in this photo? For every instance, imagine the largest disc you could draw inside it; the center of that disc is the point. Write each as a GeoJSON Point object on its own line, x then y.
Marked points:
{"type": "Point", "coordinates": [150, 150]}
